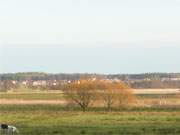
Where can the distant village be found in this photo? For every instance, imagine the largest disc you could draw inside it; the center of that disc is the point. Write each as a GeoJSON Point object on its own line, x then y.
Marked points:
{"type": "Point", "coordinates": [57, 81]}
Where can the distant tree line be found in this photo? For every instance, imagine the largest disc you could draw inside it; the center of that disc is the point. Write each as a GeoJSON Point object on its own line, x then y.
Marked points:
{"type": "Point", "coordinates": [155, 84]}
{"type": "Point", "coordinates": [144, 76]}
{"type": "Point", "coordinates": [44, 76]}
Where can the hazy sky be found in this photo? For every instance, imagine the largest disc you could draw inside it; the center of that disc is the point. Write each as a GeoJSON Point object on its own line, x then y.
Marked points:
{"type": "Point", "coordinates": [102, 36]}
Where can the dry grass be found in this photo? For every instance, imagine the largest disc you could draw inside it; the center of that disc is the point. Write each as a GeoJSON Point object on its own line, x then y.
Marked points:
{"type": "Point", "coordinates": [31, 102]}
{"type": "Point", "coordinates": [156, 91]}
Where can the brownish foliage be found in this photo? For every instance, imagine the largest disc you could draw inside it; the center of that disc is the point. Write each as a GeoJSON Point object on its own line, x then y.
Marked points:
{"type": "Point", "coordinates": [84, 92]}
{"type": "Point", "coordinates": [115, 93]}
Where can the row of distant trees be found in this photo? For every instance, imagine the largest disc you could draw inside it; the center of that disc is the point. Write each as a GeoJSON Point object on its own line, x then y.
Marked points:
{"type": "Point", "coordinates": [85, 92]}
{"type": "Point", "coordinates": [156, 83]}
{"type": "Point", "coordinates": [75, 76]}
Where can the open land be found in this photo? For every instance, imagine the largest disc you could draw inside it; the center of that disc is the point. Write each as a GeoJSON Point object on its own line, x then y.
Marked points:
{"type": "Point", "coordinates": [44, 113]}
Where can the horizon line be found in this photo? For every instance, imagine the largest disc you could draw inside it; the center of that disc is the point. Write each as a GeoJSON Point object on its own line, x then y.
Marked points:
{"type": "Point", "coordinates": [40, 72]}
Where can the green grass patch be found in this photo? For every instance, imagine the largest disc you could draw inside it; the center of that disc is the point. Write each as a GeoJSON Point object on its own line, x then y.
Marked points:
{"type": "Point", "coordinates": [32, 96]}
{"type": "Point", "coordinates": [154, 96]}
{"type": "Point", "coordinates": [58, 120]}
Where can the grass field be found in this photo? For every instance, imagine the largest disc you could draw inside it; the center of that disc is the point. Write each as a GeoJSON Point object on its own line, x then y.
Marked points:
{"type": "Point", "coordinates": [57, 119]}
{"type": "Point", "coordinates": [32, 96]}
{"type": "Point", "coordinates": [57, 97]}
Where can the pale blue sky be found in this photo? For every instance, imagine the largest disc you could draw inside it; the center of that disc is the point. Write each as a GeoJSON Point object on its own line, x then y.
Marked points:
{"type": "Point", "coordinates": [102, 36]}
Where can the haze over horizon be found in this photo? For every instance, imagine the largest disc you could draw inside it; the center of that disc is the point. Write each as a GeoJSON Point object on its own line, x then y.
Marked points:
{"type": "Point", "coordinates": [95, 36]}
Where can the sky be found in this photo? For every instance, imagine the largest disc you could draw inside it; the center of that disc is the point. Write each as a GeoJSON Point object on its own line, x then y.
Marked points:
{"type": "Point", "coordinates": [90, 36]}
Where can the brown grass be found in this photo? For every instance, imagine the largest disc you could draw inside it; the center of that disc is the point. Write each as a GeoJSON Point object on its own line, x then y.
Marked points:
{"type": "Point", "coordinates": [156, 91]}
{"type": "Point", "coordinates": [31, 102]}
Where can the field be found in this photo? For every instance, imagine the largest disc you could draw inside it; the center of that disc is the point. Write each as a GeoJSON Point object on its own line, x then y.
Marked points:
{"type": "Point", "coordinates": [57, 119]}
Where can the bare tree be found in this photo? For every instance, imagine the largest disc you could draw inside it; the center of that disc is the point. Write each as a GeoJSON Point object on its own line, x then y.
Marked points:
{"type": "Point", "coordinates": [114, 93]}
{"type": "Point", "coordinates": [82, 92]}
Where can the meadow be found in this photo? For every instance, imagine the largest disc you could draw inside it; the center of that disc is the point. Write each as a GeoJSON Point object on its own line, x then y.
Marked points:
{"type": "Point", "coordinates": [32, 96]}
{"type": "Point", "coordinates": [58, 119]}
